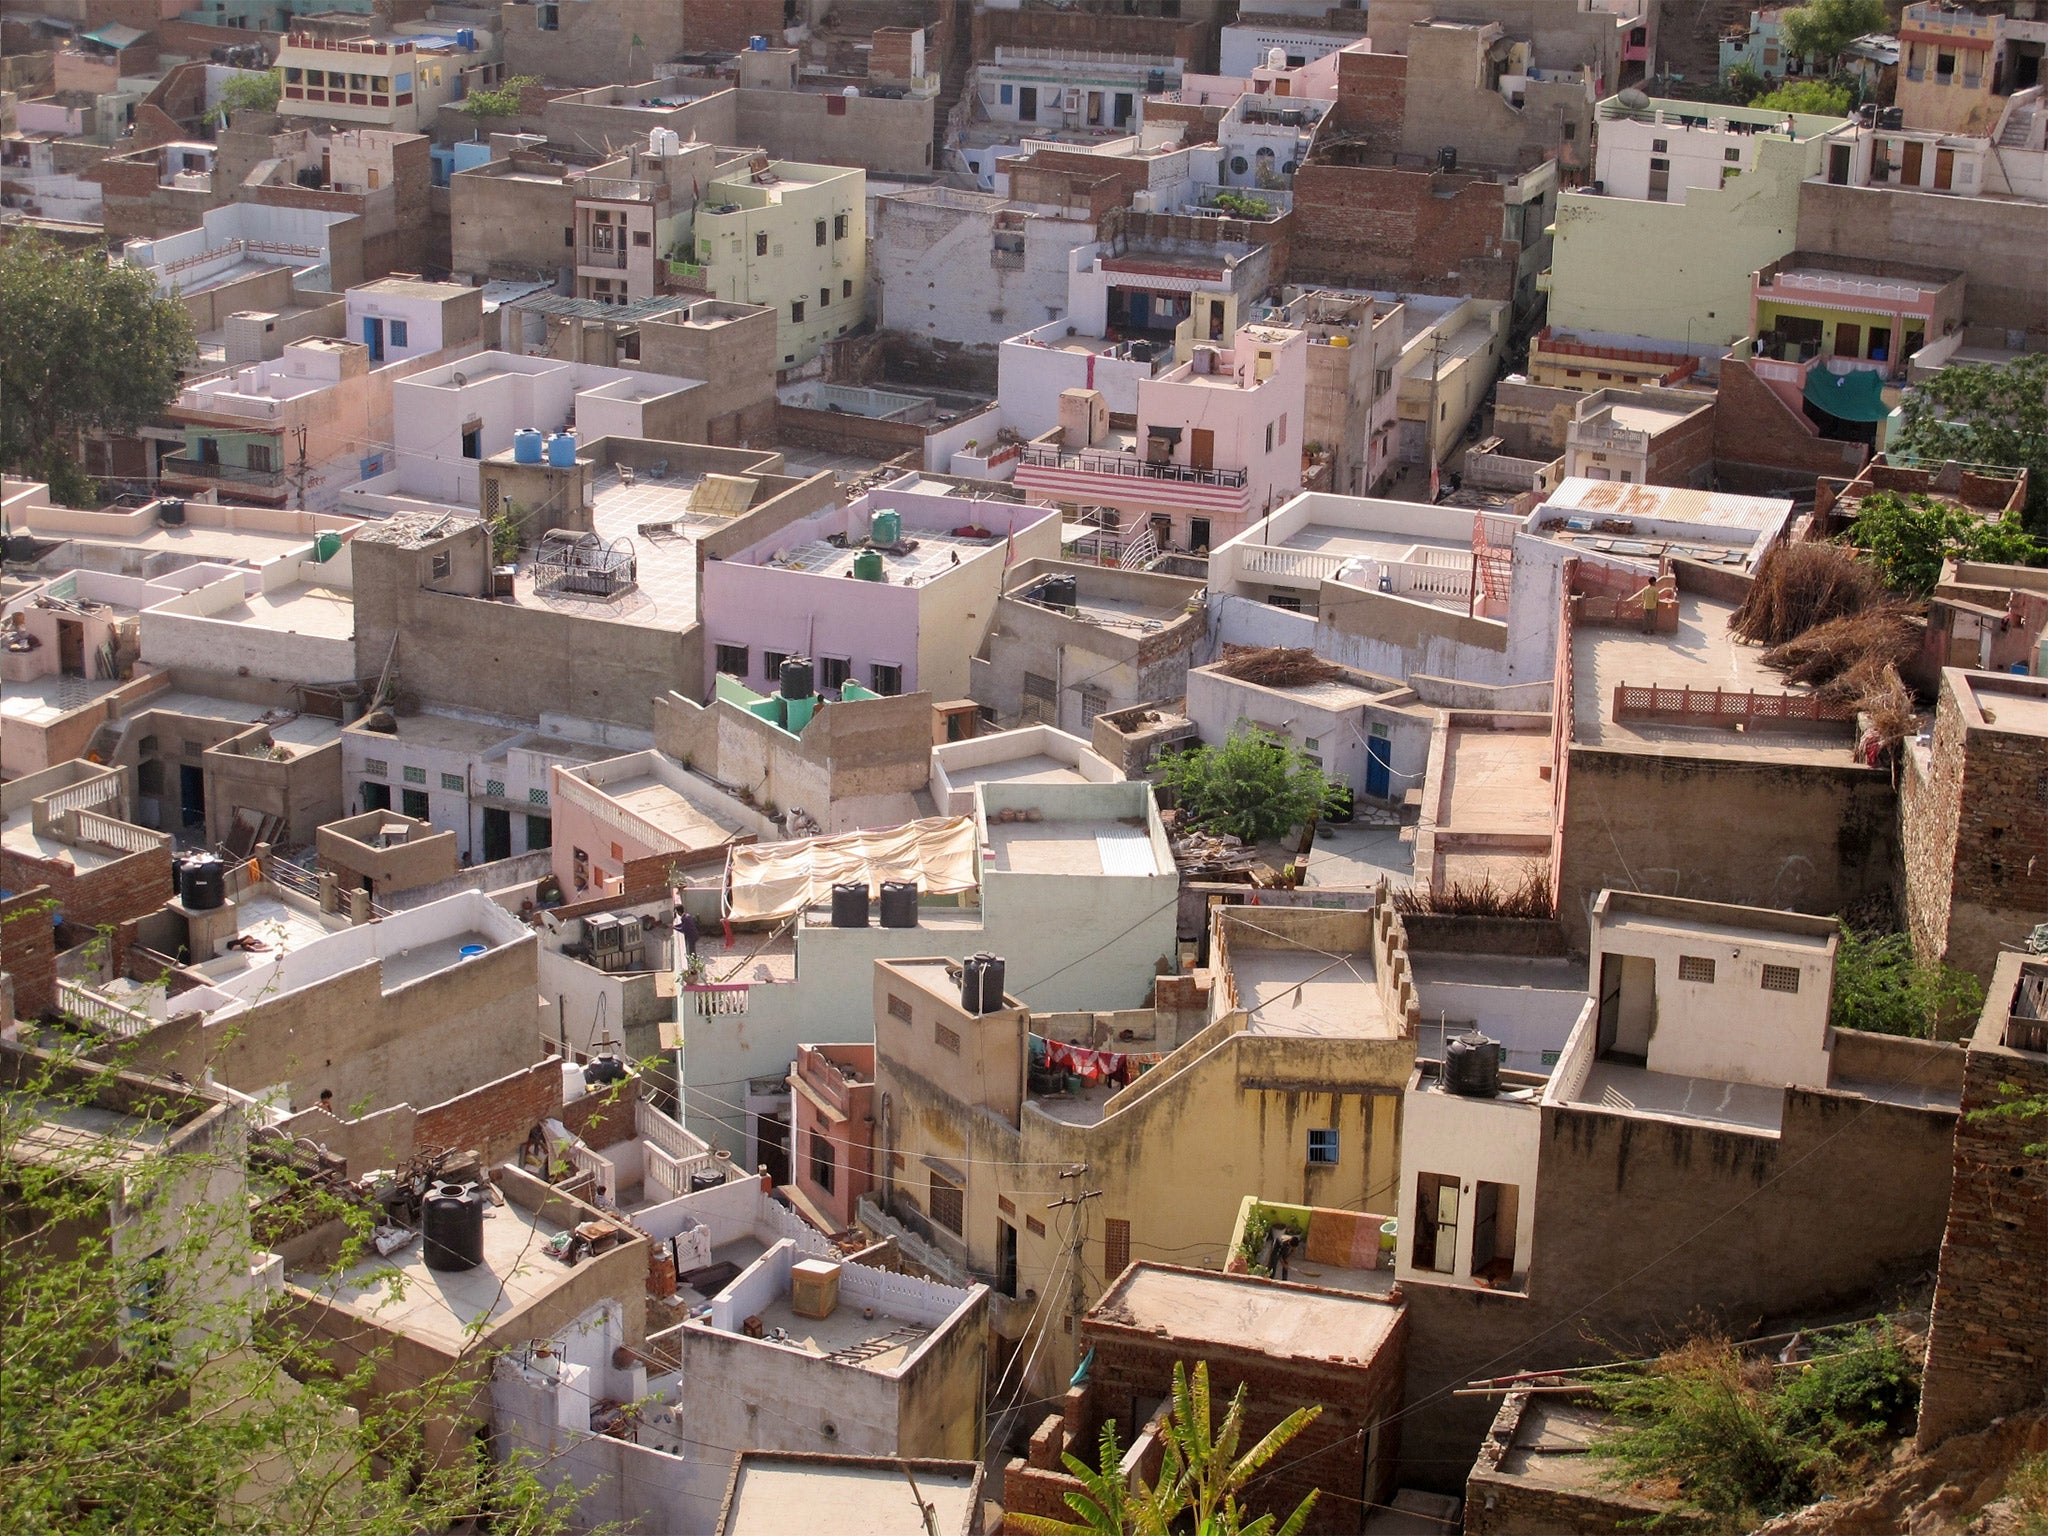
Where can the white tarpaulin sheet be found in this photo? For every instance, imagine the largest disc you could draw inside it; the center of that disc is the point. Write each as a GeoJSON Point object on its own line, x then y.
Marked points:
{"type": "Point", "coordinates": [774, 880]}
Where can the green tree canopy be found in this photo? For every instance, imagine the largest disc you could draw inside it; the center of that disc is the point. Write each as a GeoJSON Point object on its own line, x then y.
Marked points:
{"type": "Point", "coordinates": [90, 346]}
{"type": "Point", "coordinates": [1255, 786]}
{"type": "Point", "coordinates": [503, 101]}
{"type": "Point", "coordinates": [1985, 413]}
{"type": "Point", "coordinates": [1908, 537]}
{"type": "Point", "coordinates": [1823, 29]}
{"type": "Point", "coordinates": [250, 91]}
{"type": "Point", "coordinates": [1812, 98]}
{"type": "Point", "coordinates": [1882, 986]}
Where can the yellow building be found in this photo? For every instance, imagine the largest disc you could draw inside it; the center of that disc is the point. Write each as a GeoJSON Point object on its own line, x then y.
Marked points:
{"type": "Point", "coordinates": [793, 237]}
{"type": "Point", "coordinates": [1278, 1072]}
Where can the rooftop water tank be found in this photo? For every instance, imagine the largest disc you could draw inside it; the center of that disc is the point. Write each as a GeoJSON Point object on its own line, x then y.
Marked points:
{"type": "Point", "coordinates": [850, 904]}
{"type": "Point", "coordinates": [981, 984]}
{"type": "Point", "coordinates": [526, 445]}
{"type": "Point", "coordinates": [664, 142]}
{"type": "Point", "coordinates": [202, 882]}
{"type": "Point", "coordinates": [1060, 592]}
{"type": "Point", "coordinates": [757, 44]}
{"type": "Point", "coordinates": [886, 529]}
{"type": "Point", "coordinates": [562, 451]}
{"type": "Point", "coordinates": [1276, 58]}
{"type": "Point", "coordinates": [899, 903]}
{"type": "Point", "coordinates": [867, 565]}
{"type": "Point", "coordinates": [452, 1222]}
{"type": "Point", "coordinates": [796, 679]}
{"type": "Point", "coordinates": [326, 547]}
{"type": "Point", "coordinates": [465, 39]}
{"type": "Point", "coordinates": [1472, 1066]}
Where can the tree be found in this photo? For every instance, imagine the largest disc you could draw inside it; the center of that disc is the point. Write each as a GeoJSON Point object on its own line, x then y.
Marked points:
{"type": "Point", "coordinates": [155, 1394]}
{"type": "Point", "coordinates": [250, 91]}
{"type": "Point", "coordinates": [1882, 986]}
{"type": "Point", "coordinates": [1200, 1478]}
{"type": "Point", "coordinates": [504, 101]}
{"type": "Point", "coordinates": [90, 346]}
{"type": "Point", "coordinates": [1822, 30]}
{"type": "Point", "coordinates": [1984, 413]}
{"type": "Point", "coordinates": [1908, 537]}
{"type": "Point", "coordinates": [1810, 98]}
{"type": "Point", "coordinates": [1254, 787]}
{"type": "Point", "coordinates": [1745, 83]}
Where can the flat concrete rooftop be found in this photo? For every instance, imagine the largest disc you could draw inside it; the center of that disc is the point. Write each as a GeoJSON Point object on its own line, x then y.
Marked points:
{"type": "Point", "coordinates": [1637, 1090]}
{"type": "Point", "coordinates": [1307, 992]}
{"type": "Point", "coordinates": [1071, 848]}
{"type": "Point", "coordinates": [1236, 1312]}
{"type": "Point", "coordinates": [664, 594]}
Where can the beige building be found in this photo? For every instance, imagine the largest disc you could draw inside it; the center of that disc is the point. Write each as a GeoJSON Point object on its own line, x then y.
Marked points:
{"type": "Point", "coordinates": [794, 237]}
{"type": "Point", "coordinates": [1278, 1073]}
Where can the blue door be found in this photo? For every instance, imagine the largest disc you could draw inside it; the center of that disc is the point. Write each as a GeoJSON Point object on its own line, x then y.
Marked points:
{"type": "Point", "coordinates": [1379, 764]}
{"type": "Point", "coordinates": [373, 338]}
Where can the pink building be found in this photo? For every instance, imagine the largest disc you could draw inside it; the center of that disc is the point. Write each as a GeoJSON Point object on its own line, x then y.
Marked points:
{"type": "Point", "coordinates": [1218, 443]}
{"type": "Point", "coordinates": [892, 593]}
{"type": "Point", "coordinates": [628, 821]}
{"type": "Point", "coordinates": [832, 1094]}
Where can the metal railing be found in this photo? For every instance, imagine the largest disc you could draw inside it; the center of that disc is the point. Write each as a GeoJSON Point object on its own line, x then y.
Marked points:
{"type": "Point", "coordinates": [598, 256]}
{"type": "Point", "coordinates": [1129, 466]}
{"type": "Point", "coordinates": [208, 469]}
{"type": "Point", "coordinates": [615, 189]}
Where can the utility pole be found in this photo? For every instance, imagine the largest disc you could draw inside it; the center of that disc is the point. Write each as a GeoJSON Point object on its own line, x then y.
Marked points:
{"type": "Point", "coordinates": [1078, 1290]}
{"type": "Point", "coordinates": [1436, 355]}
{"type": "Point", "coordinates": [299, 470]}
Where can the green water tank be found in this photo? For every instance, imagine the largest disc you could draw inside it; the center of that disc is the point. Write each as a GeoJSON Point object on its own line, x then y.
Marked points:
{"type": "Point", "coordinates": [886, 529]}
{"type": "Point", "coordinates": [326, 547]}
{"type": "Point", "coordinates": [867, 565]}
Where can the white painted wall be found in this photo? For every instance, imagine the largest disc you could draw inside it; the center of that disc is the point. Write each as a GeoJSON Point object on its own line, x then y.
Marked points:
{"type": "Point", "coordinates": [1497, 1140]}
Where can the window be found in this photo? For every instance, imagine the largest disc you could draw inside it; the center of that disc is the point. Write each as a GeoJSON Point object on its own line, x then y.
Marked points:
{"type": "Point", "coordinates": [1781, 978]}
{"type": "Point", "coordinates": [376, 767]}
{"type": "Point", "coordinates": [1731, 154]}
{"type": "Point", "coordinates": [641, 237]}
{"type": "Point", "coordinates": [1436, 1223]}
{"type": "Point", "coordinates": [399, 333]}
{"type": "Point", "coordinates": [731, 659]}
{"type": "Point", "coordinates": [824, 298]}
{"type": "Point", "coordinates": [1571, 131]}
{"type": "Point", "coordinates": [1116, 1246]}
{"type": "Point", "coordinates": [771, 665]}
{"type": "Point", "coordinates": [946, 1204]}
{"type": "Point", "coordinates": [1239, 165]}
{"type": "Point", "coordinates": [946, 1038]}
{"type": "Point", "coordinates": [846, 288]}
{"type": "Point", "coordinates": [819, 230]}
{"type": "Point", "coordinates": [760, 242]}
{"type": "Point", "coordinates": [1009, 94]}
{"type": "Point", "coordinates": [838, 226]}
{"type": "Point", "coordinates": [454, 782]}
{"type": "Point", "coordinates": [1322, 1148]}
{"type": "Point", "coordinates": [898, 1008]}
{"type": "Point", "coordinates": [1289, 601]}
{"type": "Point", "coordinates": [1006, 1205]}
{"type": "Point", "coordinates": [259, 456]}
{"type": "Point", "coordinates": [833, 671]}
{"type": "Point", "coordinates": [536, 797]}
{"type": "Point", "coordinates": [1034, 1226]}
{"type": "Point", "coordinates": [472, 443]}
{"type": "Point", "coordinates": [568, 234]}
{"type": "Point", "coordinates": [796, 311]}
{"type": "Point", "coordinates": [1269, 437]}
{"type": "Point", "coordinates": [414, 803]}
{"type": "Point", "coordinates": [540, 832]}
{"type": "Point", "coordinates": [1659, 146]}
{"type": "Point", "coordinates": [887, 680]}
{"type": "Point", "coordinates": [1695, 968]}
{"type": "Point", "coordinates": [415, 775]}
{"type": "Point", "coordinates": [824, 1165]}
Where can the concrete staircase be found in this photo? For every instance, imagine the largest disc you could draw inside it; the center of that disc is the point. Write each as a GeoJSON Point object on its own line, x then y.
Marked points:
{"type": "Point", "coordinates": [2018, 132]}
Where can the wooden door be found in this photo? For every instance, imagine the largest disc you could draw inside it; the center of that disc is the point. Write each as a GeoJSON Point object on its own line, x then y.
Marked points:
{"type": "Point", "coordinates": [1915, 151]}
{"type": "Point", "coordinates": [1202, 448]}
{"type": "Point", "coordinates": [1944, 169]}
{"type": "Point", "coordinates": [1848, 339]}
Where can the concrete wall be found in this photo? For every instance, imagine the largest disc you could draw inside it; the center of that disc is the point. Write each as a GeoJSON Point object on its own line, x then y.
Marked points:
{"type": "Point", "coordinates": [1676, 825]}
{"type": "Point", "coordinates": [935, 271]}
{"type": "Point", "coordinates": [883, 137]}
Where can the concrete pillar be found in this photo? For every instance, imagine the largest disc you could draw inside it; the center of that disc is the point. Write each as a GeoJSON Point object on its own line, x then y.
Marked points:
{"type": "Point", "coordinates": [359, 906]}
{"type": "Point", "coordinates": [330, 891]}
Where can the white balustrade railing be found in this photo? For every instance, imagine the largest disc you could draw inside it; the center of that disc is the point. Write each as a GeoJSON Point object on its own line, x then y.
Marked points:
{"type": "Point", "coordinates": [112, 832]}
{"type": "Point", "coordinates": [1301, 564]}
{"type": "Point", "coordinates": [88, 1007]}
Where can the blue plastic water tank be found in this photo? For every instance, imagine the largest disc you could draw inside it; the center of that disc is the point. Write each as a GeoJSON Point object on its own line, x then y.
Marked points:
{"type": "Point", "coordinates": [758, 44]}
{"type": "Point", "coordinates": [562, 451]}
{"type": "Point", "coordinates": [465, 39]}
{"type": "Point", "coordinates": [526, 444]}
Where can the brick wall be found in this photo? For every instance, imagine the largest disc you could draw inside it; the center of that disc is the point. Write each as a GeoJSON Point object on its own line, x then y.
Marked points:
{"type": "Point", "coordinates": [1375, 226]}
{"type": "Point", "coordinates": [28, 951]}
{"type": "Point", "coordinates": [1372, 97]}
{"type": "Point", "coordinates": [114, 893]}
{"type": "Point", "coordinates": [1187, 40]}
{"type": "Point", "coordinates": [1759, 445]}
{"type": "Point", "coordinates": [606, 1117]}
{"type": "Point", "coordinates": [727, 24]}
{"type": "Point", "coordinates": [1975, 831]}
{"type": "Point", "coordinates": [496, 1118]}
{"type": "Point", "coordinates": [1986, 1353]}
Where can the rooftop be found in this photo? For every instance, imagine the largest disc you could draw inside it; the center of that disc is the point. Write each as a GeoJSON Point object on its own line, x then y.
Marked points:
{"type": "Point", "coordinates": [64, 1132]}
{"type": "Point", "coordinates": [303, 608]}
{"type": "Point", "coordinates": [1240, 1313]}
{"type": "Point", "coordinates": [922, 555]}
{"type": "Point", "coordinates": [1308, 992]}
{"type": "Point", "coordinates": [773, 1493]}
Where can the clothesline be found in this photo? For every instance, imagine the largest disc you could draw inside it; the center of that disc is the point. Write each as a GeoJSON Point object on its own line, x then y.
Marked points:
{"type": "Point", "coordinates": [1088, 1063]}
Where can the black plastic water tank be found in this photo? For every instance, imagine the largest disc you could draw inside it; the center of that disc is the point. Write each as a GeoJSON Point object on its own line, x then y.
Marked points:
{"type": "Point", "coordinates": [899, 903]}
{"type": "Point", "coordinates": [797, 680]}
{"type": "Point", "coordinates": [1060, 591]}
{"type": "Point", "coordinates": [981, 983]}
{"type": "Point", "coordinates": [452, 1226]}
{"type": "Point", "coordinates": [850, 904]}
{"type": "Point", "coordinates": [710, 1178]}
{"type": "Point", "coordinates": [1472, 1066]}
{"type": "Point", "coordinates": [19, 547]}
{"type": "Point", "coordinates": [202, 882]}
{"type": "Point", "coordinates": [170, 512]}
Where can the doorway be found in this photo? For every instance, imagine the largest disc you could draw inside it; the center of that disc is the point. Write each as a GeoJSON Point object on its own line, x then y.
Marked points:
{"type": "Point", "coordinates": [1202, 448]}
{"type": "Point", "coordinates": [1944, 169]}
{"type": "Point", "coordinates": [1027, 103]}
{"type": "Point", "coordinates": [1848, 339]}
{"type": "Point", "coordinates": [376, 797]}
{"type": "Point", "coordinates": [1916, 154]}
{"type": "Point", "coordinates": [1379, 764]}
{"type": "Point", "coordinates": [1628, 1007]}
{"type": "Point", "coordinates": [192, 794]}
{"type": "Point", "coordinates": [1198, 533]}
{"type": "Point", "coordinates": [497, 834]}
{"type": "Point", "coordinates": [1838, 165]}
{"type": "Point", "coordinates": [373, 338]}
{"type": "Point", "coordinates": [71, 647]}
{"type": "Point", "coordinates": [1006, 1258]}
{"type": "Point", "coordinates": [771, 1140]}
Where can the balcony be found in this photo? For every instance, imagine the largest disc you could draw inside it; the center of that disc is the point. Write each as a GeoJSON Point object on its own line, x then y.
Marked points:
{"type": "Point", "coordinates": [614, 189]}
{"type": "Point", "coordinates": [599, 256]}
{"type": "Point", "coordinates": [179, 467]}
{"type": "Point", "coordinates": [1129, 466]}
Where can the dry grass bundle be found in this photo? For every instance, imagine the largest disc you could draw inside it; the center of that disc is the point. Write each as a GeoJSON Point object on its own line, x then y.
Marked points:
{"type": "Point", "coordinates": [1801, 585]}
{"type": "Point", "coordinates": [1482, 896]}
{"type": "Point", "coordinates": [1277, 666]}
{"type": "Point", "coordinates": [1888, 705]}
{"type": "Point", "coordinates": [1887, 633]}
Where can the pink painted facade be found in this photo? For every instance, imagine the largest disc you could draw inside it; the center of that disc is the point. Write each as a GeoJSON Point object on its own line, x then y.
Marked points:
{"type": "Point", "coordinates": [1218, 444]}
{"type": "Point", "coordinates": [796, 593]}
{"type": "Point", "coordinates": [832, 1100]}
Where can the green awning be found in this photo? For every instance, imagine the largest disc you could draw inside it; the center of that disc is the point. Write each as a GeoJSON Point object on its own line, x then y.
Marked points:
{"type": "Point", "coordinates": [1854, 396]}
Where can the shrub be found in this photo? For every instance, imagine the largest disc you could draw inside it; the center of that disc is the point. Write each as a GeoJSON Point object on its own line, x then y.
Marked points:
{"type": "Point", "coordinates": [1254, 787]}
{"type": "Point", "coordinates": [1882, 986]}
